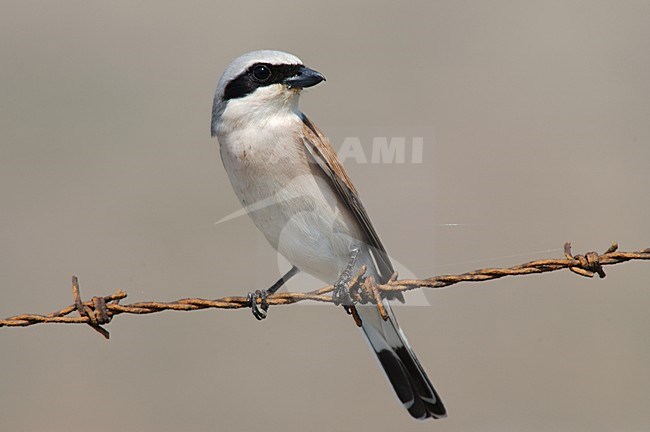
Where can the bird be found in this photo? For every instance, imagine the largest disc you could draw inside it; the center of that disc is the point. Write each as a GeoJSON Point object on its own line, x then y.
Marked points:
{"type": "Point", "coordinates": [293, 186]}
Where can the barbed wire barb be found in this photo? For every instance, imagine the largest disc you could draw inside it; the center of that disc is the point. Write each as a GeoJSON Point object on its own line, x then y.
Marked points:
{"type": "Point", "coordinates": [101, 310]}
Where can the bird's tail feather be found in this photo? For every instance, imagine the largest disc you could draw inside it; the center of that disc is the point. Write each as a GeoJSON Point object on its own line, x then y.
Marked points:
{"type": "Point", "coordinates": [400, 364]}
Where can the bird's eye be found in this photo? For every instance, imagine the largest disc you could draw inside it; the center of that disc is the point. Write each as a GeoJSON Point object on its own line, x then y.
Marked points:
{"type": "Point", "coordinates": [261, 72]}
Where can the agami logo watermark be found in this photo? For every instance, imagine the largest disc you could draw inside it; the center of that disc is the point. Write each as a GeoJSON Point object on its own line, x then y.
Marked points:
{"type": "Point", "coordinates": [384, 150]}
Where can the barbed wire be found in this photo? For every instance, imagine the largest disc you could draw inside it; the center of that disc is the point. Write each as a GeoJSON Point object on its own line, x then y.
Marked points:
{"type": "Point", "coordinates": [101, 310]}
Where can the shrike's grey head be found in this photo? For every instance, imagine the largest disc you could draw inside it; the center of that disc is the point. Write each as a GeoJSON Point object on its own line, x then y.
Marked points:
{"type": "Point", "coordinates": [259, 84]}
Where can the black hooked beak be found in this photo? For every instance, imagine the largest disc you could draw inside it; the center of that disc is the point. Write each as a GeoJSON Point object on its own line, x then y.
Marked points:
{"type": "Point", "coordinates": [304, 78]}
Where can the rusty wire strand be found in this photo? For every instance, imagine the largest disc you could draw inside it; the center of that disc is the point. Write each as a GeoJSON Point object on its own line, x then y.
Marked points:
{"type": "Point", "coordinates": [100, 310]}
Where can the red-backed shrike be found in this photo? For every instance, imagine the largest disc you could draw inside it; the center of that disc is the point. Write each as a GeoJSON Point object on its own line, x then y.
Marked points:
{"type": "Point", "coordinates": [296, 191]}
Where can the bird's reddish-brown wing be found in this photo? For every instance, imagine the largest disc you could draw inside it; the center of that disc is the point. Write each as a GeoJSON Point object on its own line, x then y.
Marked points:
{"type": "Point", "coordinates": [328, 161]}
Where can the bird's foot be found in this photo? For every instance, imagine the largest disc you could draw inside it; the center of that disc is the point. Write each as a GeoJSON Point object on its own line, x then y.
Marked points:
{"type": "Point", "coordinates": [341, 293]}
{"type": "Point", "coordinates": [259, 310]}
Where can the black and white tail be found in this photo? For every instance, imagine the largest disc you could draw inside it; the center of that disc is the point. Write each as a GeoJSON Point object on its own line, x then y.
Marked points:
{"type": "Point", "coordinates": [400, 364]}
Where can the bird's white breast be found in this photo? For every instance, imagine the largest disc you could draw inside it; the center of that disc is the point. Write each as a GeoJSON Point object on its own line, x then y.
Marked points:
{"type": "Point", "coordinates": [286, 195]}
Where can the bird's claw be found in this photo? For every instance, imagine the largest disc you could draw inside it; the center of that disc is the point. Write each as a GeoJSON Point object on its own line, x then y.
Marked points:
{"type": "Point", "coordinates": [259, 310]}
{"type": "Point", "coordinates": [341, 293]}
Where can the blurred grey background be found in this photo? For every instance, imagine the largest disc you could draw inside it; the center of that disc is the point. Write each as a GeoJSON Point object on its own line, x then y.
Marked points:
{"type": "Point", "coordinates": [535, 118]}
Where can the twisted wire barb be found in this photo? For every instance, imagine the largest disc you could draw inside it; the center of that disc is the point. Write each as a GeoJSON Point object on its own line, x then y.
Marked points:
{"type": "Point", "coordinates": [100, 310]}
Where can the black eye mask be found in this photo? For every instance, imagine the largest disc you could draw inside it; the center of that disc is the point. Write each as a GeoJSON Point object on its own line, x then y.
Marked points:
{"type": "Point", "coordinates": [259, 75]}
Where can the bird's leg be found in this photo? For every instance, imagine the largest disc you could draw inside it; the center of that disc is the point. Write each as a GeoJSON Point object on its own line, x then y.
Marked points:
{"type": "Point", "coordinates": [260, 310]}
{"type": "Point", "coordinates": [341, 292]}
